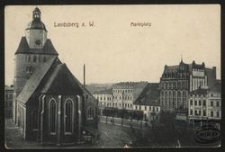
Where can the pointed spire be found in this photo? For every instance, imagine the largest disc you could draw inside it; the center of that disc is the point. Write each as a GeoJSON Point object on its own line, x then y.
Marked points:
{"type": "Point", "coordinates": [181, 58]}
{"type": "Point", "coordinates": [36, 13]}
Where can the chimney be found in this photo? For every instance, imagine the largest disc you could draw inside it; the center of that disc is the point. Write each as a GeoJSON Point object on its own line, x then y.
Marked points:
{"type": "Point", "coordinates": [84, 76]}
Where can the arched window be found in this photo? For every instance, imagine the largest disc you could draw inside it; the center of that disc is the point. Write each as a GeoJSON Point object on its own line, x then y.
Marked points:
{"type": "Point", "coordinates": [184, 98]}
{"type": "Point", "coordinates": [90, 113]}
{"type": "Point", "coordinates": [178, 98]}
{"type": "Point", "coordinates": [35, 119]}
{"type": "Point", "coordinates": [171, 99]}
{"type": "Point", "coordinates": [68, 116]}
{"type": "Point", "coordinates": [174, 98]}
{"type": "Point", "coordinates": [52, 116]}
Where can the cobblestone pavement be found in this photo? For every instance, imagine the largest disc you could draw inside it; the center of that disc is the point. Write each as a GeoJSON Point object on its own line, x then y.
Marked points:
{"type": "Point", "coordinates": [111, 136]}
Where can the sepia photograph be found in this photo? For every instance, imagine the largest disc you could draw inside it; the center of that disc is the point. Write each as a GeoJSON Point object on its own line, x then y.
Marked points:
{"type": "Point", "coordinates": [112, 76]}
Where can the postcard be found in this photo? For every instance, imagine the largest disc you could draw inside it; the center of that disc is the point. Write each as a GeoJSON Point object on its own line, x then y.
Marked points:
{"type": "Point", "coordinates": [112, 76]}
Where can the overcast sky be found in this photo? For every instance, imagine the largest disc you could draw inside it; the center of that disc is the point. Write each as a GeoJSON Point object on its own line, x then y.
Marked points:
{"type": "Point", "coordinates": [115, 51]}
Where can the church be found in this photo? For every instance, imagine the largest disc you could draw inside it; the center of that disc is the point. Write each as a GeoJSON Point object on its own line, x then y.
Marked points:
{"type": "Point", "coordinates": [50, 104]}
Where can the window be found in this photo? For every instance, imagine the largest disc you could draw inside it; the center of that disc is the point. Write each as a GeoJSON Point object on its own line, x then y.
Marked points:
{"type": "Point", "coordinates": [204, 112]}
{"type": "Point", "coordinates": [90, 113]}
{"type": "Point", "coordinates": [211, 103]}
{"type": "Point", "coordinates": [211, 113]}
{"type": "Point", "coordinates": [199, 103]}
{"type": "Point", "coordinates": [217, 104]}
{"type": "Point", "coordinates": [68, 116]}
{"type": "Point", "coordinates": [179, 97]}
{"type": "Point", "coordinates": [52, 116]}
{"type": "Point", "coordinates": [196, 112]}
{"type": "Point", "coordinates": [35, 119]}
{"type": "Point", "coordinates": [204, 102]}
{"type": "Point", "coordinates": [28, 58]}
{"type": "Point", "coordinates": [145, 108]}
{"type": "Point", "coordinates": [34, 59]}
{"type": "Point", "coordinates": [191, 102]}
{"type": "Point", "coordinates": [196, 103]}
{"type": "Point", "coordinates": [217, 114]}
{"type": "Point", "coordinates": [136, 107]}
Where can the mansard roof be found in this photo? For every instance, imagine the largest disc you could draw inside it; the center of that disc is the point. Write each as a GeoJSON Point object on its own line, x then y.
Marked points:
{"type": "Point", "coordinates": [200, 91]}
{"type": "Point", "coordinates": [47, 49]}
{"type": "Point", "coordinates": [216, 88]}
{"type": "Point", "coordinates": [149, 96]}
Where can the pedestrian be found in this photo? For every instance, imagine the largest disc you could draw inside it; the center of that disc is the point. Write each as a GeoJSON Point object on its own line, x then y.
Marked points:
{"type": "Point", "coordinates": [126, 146]}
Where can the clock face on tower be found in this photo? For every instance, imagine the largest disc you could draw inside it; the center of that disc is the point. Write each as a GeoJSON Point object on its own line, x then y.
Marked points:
{"type": "Point", "coordinates": [38, 42]}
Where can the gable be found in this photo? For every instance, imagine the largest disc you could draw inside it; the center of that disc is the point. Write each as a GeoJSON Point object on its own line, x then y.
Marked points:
{"type": "Point", "coordinates": [62, 82]}
{"type": "Point", "coordinates": [34, 81]}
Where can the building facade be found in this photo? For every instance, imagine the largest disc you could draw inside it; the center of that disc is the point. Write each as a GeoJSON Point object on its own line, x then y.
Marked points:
{"type": "Point", "coordinates": [178, 81]}
{"type": "Point", "coordinates": [50, 104]}
{"type": "Point", "coordinates": [205, 105]}
{"type": "Point", "coordinates": [9, 101]}
{"type": "Point", "coordinates": [136, 96]}
{"type": "Point", "coordinates": [148, 102]}
{"type": "Point", "coordinates": [125, 94]}
{"type": "Point", "coordinates": [104, 98]}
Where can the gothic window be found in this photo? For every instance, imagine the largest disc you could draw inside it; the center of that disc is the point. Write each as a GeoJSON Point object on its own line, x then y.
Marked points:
{"type": "Point", "coordinates": [179, 97]}
{"type": "Point", "coordinates": [35, 119]}
{"type": "Point", "coordinates": [52, 116]}
{"type": "Point", "coordinates": [184, 97]}
{"type": "Point", "coordinates": [68, 116]}
{"type": "Point", "coordinates": [90, 113]}
{"type": "Point", "coordinates": [174, 96]}
{"type": "Point", "coordinates": [171, 99]}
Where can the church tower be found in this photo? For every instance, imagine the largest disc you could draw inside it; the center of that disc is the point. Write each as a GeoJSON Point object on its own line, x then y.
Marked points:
{"type": "Point", "coordinates": [34, 49]}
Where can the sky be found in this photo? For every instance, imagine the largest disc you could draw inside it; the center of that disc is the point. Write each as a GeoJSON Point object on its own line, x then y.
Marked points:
{"type": "Point", "coordinates": [113, 50]}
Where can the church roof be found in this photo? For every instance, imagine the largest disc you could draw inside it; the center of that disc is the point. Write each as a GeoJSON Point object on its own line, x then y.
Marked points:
{"type": "Point", "coordinates": [61, 81]}
{"type": "Point", "coordinates": [47, 49]}
{"type": "Point", "coordinates": [51, 77]}
{"type": "Point", "coordinates": [34, 81]}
